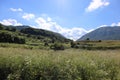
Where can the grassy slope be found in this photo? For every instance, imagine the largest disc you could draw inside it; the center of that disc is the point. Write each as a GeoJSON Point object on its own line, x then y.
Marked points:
{"type": "Point", "coordinates": [103, 45]}
{"type": "Point", "coordinates": [70, 64]}
{"type": "Point", "coordinates": [39, 34]}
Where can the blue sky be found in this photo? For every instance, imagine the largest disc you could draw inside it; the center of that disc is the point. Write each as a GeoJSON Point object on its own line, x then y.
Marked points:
{"type": "Point", "coordinates": [71, 18]}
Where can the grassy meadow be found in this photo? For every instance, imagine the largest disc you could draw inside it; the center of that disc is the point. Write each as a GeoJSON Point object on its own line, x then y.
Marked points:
{"type": "Point", "coordinates": [20, 63]}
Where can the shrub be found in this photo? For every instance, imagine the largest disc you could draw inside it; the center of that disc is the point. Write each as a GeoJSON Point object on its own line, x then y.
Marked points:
{"type": "Point", "coordinates": [10, 38]}
{"type": "Point", "coordinates": [88, 39]}
{"type": "Point", "coordinates": [73, 44]}
{"type": "Point", "coordinates": [1, 27]}
{"type": "Point", "coordinates": [46, 44]}
{"type": "Point", "coordinates": [57, 46]}
{"type": "Point", "coordinates": [13, 29]}
{"type": "Point", "coordinates": [100, 41]}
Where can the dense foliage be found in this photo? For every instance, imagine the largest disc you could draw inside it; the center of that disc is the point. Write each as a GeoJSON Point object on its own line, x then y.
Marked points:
{"type": "Point", "coordinates": [57, 46]}
{"type": "Point", "coordinates": [6, 36]}
{"type": "Point", "coordinates": [44, 33]}
{"type": "Point", "coordinates": [36, 60]}
{"type": "Point", "coordinates": [26, 34]}
{"type": "Point", "coordinates": [71, 64]}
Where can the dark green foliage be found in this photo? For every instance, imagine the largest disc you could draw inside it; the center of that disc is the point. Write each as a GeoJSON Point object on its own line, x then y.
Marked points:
{"type": "Point", "coordinates": [100, 41]}
{"type": "Point", "coordinates": [10, 28]}
{"type": "Point", "coordinates": [31, 35]}
{"type": "Point", "coordinates": [88, 39]}
{"type": "Point", "coordinates": [13, 29]}
{"type": "Point", "coordinates": [7, 28]}
{"type": "Point", "coordinates": [73, 44]}
{"type": "Point", "coordinates": [46, 44]}
{"type": "Point", "coordinates": [21, 27]}
{"type": "Point", "coordinates": [57, 46]}
{"type": "Point", "coordinates": [19, 40]}
{"type": "Point", "coordinates": [46, 34]}
{"type": "Point", "coordinates": [1, 27]}
{"type": "Point", "coordinates": [10, 38]}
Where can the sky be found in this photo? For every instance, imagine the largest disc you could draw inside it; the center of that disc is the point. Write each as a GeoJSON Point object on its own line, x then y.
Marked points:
{"type": "Point", "coordinates": [71, 18]}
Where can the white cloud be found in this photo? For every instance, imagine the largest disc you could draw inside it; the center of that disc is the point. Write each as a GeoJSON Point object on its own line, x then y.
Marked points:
{"type": "Point", "coordinates": [28, 16]}
{"type": "Point", "coordinates": [10, 22]}
{"type": "Point", "coordinates": [16, 10]}
{"type": "Point", "coordinates": [95, 4]}
{"type": "Point", "coordinates": [119, 24]}
{"type": "Point", "coordinates": [115, 24]}
{"type": "Point", "coordinates": [73, 33]}
{"type": "Point", "coordinates": [49, 19]}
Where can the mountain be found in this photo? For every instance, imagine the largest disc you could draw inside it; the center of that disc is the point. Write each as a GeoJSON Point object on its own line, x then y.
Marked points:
{"type": "Point", "coordinates": [43, 33]}
{"type": "Point", "coordinates": [21, 27]}
{"type": "Point", "coordinates": [16, 27]}
{"type": "Point", "coordinates": [29, 32]}
{"type": "Point", "coordinates": [103, 33]}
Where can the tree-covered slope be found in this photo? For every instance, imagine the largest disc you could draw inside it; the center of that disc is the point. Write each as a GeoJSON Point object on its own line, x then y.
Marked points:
{"type": "Point", "coordinates": [32, 33]}
{"type": "Point", "coordinates": [43, 33]}
{"type": "Point", "coordinates": [103, 33]}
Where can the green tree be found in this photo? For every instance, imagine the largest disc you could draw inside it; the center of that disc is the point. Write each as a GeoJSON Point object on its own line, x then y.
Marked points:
{"type": "Point", "coordinates": [88, 39]}
{"type": "Point", "coordinates": [73, 44]}
{"type": "Point", "coordinates": [1, 27]}
{"type": "Point", "coordinates": [10, 38]}
{"type": "Point", "coordinates": [13, 29]}
{"type": "Point", "coordinates": [57, 46]}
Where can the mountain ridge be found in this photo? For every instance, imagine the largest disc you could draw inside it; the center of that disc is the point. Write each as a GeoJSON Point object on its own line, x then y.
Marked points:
{"type": "Point", "coordinates": [103, 33]}
{"type": "Point", "coordinates": [37, 33]}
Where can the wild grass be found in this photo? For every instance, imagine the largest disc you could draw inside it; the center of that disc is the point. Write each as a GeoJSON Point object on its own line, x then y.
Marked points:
{"type": "Point", "coordinates": [99, 45]}
{"type": "Point", "coordinates": [70, 64]}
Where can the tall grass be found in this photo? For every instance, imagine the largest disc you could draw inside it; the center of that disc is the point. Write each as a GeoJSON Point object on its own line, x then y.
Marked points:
{"type": "Point", "coordinates": [71, 64]}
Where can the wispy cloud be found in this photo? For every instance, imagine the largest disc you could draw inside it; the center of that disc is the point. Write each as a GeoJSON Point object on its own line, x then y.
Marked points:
{"type": "Point", "coordinates": [95, 4]}
{"type": "Point", "coordinates": [10, 22]}
{"type": "Point", "coordinates": [73, 33]}
{"type": "Point", "coordinates": [16, 10]}
{"type": "Point", "coordinates": [28, 16]}
{"type": "Point", "coordinates": [46, 22]}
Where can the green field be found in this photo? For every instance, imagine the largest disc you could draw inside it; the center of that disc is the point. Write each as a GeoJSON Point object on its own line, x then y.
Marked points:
{"type": "Point", "coordinates": [98, 45]}
{"type": "Point", "coordinates": [21, 63]}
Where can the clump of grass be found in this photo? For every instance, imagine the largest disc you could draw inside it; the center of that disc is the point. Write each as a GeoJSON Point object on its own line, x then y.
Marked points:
{"type": "Point", "coordinates": [70, 64]}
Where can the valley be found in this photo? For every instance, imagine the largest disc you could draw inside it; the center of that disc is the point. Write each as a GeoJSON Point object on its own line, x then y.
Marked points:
{"type": "Point", "coordinates": [35, 54]}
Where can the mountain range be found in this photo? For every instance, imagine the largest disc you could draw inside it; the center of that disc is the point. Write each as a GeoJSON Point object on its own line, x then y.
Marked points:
{"type": "Point", "coordinates": [102, 33]}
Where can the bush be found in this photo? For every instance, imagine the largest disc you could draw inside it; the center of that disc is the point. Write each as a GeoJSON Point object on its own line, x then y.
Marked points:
{"type": "Point", "coordinates": [73, 44]}
{"type": "Point", "coordinates": [100, 41]}
{"type": "Point", "coordinates": [46, 44]}
{"type": "Point", "coordinates": [13, 29]}
{"type": "Point", "coordinates": [10, 38]}
{"type": "Point", "coordinates": [57, 46]}
{"type": "Point", "coordinates": [1, 27]}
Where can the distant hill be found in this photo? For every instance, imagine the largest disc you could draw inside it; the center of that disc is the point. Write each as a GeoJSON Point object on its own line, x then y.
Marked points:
{"type": "Point", "coordinates": [16, 27]}
{"type": "Point", "coordinates": [103, 33]}
{"type": "Point", "coordinates": [32, 33]}
{"type": "Point", "coordinates": [43, 33]}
